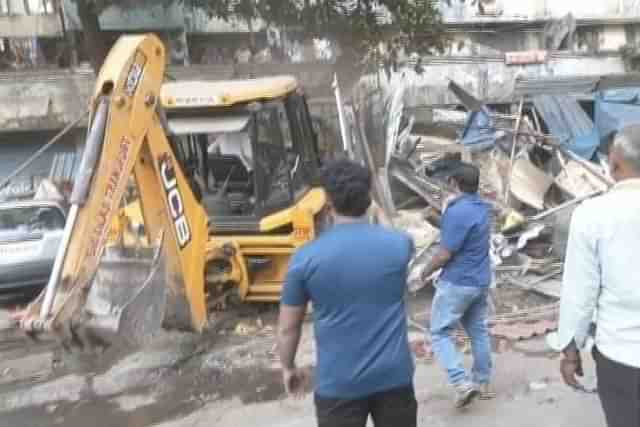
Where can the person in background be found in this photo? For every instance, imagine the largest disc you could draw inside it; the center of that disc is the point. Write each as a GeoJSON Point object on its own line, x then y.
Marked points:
{"type": "Point", "coordinates": [355, 276]}
{"type": "Point", "coordinates": [463, 286]}
{"type": "Point", "coordinates": [600, 282]}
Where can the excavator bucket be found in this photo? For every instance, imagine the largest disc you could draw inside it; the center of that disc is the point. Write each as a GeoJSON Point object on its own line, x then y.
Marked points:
{"type": "Point", "coordinates": [126, 302]}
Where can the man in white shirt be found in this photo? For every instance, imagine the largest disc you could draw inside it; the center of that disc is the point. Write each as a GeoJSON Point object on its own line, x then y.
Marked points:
{"type": "Point", "coordinates": [602, 271]}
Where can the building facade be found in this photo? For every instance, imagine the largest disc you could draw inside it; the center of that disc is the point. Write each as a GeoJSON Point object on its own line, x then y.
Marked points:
{"type": "Point", "coordinates": [497, 46]}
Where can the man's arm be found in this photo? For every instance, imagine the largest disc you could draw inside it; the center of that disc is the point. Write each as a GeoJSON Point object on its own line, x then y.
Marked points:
{"type": "Point", "coordinates": [439, 260]}
{"type": "Point", "coordinates": [293, 305]}
{"type": "Point", "coordinates": [289, 332]}
{"type": "Point", "coordinates": [580, 292]}
{"type": "Point", "coordinates": [453, 234]}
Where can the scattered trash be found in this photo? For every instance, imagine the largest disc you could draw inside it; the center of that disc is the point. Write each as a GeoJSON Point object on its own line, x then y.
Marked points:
{"type": "Point", "coordinates": [244, 329]}
{"type": "Point", "coordinates": [529, 177]}
{"type": "Point", "coordinates": [522, 331]}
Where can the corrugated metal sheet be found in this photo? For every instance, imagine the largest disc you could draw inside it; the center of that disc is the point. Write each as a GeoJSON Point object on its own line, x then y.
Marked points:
{"type": "Point", "coordinates": [574, 84]}
{"type": "Point", "coordinates": [555, 86]}
{"type": "Point", "coordinates": [566, 120]}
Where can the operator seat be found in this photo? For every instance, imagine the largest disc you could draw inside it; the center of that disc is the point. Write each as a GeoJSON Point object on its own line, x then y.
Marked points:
{"type": "Point", "coordinates": [229, 169]}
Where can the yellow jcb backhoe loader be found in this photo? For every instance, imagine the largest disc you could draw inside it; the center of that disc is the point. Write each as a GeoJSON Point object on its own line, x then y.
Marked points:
{"type": "Point", "coordinates": [225, 176]}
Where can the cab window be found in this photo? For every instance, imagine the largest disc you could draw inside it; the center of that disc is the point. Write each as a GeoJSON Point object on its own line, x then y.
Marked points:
{"type": "Point", "coordinates": [271, 159]}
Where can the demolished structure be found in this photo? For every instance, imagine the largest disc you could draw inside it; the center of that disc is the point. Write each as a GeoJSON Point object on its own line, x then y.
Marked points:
{"type": "Point", "coordinates": [536, 164]}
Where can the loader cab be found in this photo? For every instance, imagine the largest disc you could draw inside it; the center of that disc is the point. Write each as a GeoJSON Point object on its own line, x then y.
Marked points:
{"type": "Point", "coordinates": [248, 145]}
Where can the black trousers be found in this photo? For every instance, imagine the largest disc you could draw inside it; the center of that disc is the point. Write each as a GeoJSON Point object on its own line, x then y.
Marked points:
{"type": "Point", "coordinates": [392, 408]}
{"type": "Point", "coordinates": [619, 390]}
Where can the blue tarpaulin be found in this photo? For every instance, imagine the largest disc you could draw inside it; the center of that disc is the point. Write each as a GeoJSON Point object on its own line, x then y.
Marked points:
{"type": "Point", "coordinates": [615, 109]}
{"type": "Point", "coordinates": [569, 123]}
{"type": "Point", "coordinates": [479, 130]}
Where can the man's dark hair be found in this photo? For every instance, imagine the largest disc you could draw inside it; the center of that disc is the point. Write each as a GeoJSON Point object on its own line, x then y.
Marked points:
{"type": "Point", "coordinates": [467, 176]}
{"type": "Point", "coordinates": [348, 186]}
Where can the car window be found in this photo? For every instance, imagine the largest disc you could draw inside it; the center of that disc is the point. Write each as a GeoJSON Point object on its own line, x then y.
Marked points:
{"type": "Point", "coordinates": [31, 218]}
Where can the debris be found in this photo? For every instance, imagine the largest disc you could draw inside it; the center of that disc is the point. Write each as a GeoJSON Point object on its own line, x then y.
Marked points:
{"type": "Point", "coordinates": [530, 234]}
{"type": "Point", "coordinates": [568, 123]}
{"type": "Point", "coordinates": [577, 181]}
{"type": "Point", "coordinates": [590, 167]}
{"type": "Point", "coordinates": [470, 102]}
{"type": "Point", "coordinates": [244, 329]}
{"type": "Point", "coordinates": [523, 331]}
{"type": "Point", "coordinates": [536, 284]}
{"type": "Point", "coordinates": [528, 183]}
{"type": "Point", "coordinates": [565, 205]}
{"type": "Point", "coordinates": [531, 179]}
{"type": "Point", "coordinates": [380, 187]}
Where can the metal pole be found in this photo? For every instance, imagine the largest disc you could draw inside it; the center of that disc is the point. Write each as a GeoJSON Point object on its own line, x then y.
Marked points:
{"type": "Point", "coordinates": [565, 205]}
{"type": "Point", "coordinates": [346, 141]}
{"type": "Point", "coordinates": [507, 192]}
{"type": "Point", "coordinates": [38, 153]}
{"type": "Point", "coordinates": [92, 150]}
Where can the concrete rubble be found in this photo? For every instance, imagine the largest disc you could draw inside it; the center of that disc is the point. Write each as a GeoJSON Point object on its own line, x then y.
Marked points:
{"type": "Point", "coordinates": [536, 164]}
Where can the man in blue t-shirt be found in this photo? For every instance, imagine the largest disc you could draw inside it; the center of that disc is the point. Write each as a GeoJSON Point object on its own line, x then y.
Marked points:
{"type": "Point", "coordinates": [463, 286]}
{"type": "Point", "coordinates": [355, 275]}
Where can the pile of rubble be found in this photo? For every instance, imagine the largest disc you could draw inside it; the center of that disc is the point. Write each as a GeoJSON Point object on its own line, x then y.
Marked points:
{"type": "Point", "coordinates": [534, 172]}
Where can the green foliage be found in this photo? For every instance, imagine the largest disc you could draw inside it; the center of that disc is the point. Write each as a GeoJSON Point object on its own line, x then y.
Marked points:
{"type": "Point", "coordinates": [357, 25]}
{"type": "Point", "coordinates": [99, 5]}
{"type": "Point", "coordinates": [362, 28]}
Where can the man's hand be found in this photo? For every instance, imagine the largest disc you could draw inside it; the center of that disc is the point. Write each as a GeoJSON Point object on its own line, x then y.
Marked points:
{"type": "Point", "coordinates": [293, 381]}
{"type": "Point", "coordinates": [429, 279]}
{"type": "Point", "coordinates": [570, 368]}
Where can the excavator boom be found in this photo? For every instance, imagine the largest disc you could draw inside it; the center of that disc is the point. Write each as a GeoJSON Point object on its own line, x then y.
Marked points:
{"type": "Point", "coordinates": [94, 294]}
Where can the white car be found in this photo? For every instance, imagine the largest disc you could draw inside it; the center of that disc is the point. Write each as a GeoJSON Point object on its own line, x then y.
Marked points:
{"type": "Point", "coordinates": [30, 233]}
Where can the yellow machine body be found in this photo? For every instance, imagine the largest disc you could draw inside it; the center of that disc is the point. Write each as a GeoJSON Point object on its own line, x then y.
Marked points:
{"type": "Point", "coordinates": [203, 255]}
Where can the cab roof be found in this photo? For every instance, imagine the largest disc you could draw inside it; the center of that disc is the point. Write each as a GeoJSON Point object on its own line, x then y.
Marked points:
{"type": "Point", "coordinates": [189, 94]}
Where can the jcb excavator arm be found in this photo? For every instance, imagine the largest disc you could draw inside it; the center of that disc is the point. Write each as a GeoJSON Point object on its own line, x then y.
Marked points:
{"type": "Point", "coordinates": [91, 295]}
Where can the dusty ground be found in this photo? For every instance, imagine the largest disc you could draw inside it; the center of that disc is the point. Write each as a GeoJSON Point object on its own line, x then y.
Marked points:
{"type": "Point", "coordinates": [230, 378]}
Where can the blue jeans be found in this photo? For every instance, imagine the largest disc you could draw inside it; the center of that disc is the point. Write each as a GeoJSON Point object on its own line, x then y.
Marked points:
{"type": "Point", "coordinates": [452, 305]}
